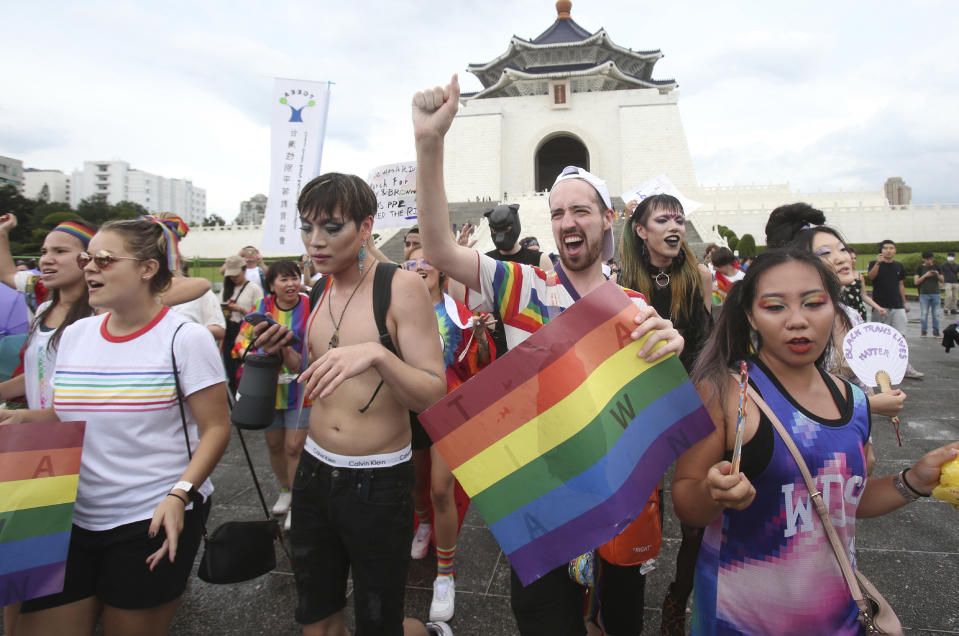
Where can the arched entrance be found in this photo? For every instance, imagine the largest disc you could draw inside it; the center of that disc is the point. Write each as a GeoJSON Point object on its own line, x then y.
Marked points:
{"type": "Point", "coordinates": [554, 155]}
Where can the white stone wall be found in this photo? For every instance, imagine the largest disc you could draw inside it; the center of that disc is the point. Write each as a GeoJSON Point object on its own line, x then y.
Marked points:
{"type": "Point", "coordinates": [631, 136]}
{"type": "Point", "coordinates": [222, 241]}
{"type": "Point", "coordinates": [472, 158]}
{"type": "Point", "coordinates": [859, 224]}
{"type": "Point", "coordinates": [653, 141]}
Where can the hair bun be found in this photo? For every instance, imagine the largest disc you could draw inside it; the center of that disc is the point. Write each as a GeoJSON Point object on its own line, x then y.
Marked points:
{"type": "Point", "coordinates": [786, 221]}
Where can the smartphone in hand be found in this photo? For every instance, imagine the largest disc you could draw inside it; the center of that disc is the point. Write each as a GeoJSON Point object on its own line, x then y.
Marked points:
{"type": "Point", "coordinates": [258, 317]}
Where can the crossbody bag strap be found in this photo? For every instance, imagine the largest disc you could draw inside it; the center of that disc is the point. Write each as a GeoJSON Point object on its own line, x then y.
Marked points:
{"type": "Point", "coordinates": [816, 497]}
{"type": "Point", "coordinates": [233, 299]}
{"type": "Point", "coordinates": [186, 434]}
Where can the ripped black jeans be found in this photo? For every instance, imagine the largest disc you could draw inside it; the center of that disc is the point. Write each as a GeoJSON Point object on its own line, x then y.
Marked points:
{"type": "Point", "coordinates": [352, 518]}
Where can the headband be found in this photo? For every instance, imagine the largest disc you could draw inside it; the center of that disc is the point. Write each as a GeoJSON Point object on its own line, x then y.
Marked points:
{"type": "Point", "coordinates": [173, 229]}
{"type": "Point", "coordinates": [76, 230]}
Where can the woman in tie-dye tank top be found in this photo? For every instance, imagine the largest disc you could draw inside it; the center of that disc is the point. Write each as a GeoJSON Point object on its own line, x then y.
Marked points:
{"type": "Point", "coordinates": [766, 566]}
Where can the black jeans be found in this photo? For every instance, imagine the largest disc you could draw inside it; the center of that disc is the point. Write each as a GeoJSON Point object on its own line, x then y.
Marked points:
{"type": "Point", "coordinates": [352, 518]}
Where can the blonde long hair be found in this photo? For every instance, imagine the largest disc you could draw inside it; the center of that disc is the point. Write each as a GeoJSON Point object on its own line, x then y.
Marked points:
{"type": "Point", "coordinates": [636, 272]}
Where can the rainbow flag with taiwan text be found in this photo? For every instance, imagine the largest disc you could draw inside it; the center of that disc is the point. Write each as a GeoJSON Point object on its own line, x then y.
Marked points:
{"type": "Point", "coordinates": [561, 441]}
{"type": "Point", "coordinates": [39, 470]}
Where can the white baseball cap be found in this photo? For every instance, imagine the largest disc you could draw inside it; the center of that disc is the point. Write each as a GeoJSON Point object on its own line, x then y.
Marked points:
{"type": "Point", "coordinates": [572, 172]}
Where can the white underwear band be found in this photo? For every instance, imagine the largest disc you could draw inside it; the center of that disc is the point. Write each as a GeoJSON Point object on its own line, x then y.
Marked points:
{"type": "Point", "coordinates": [384, 460]}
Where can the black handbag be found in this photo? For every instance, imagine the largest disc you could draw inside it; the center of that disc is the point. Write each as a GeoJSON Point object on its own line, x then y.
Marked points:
{"type": "Point", "coordinates": [237, 550]}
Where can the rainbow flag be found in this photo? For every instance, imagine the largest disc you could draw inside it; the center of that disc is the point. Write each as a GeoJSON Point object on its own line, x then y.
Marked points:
{"type": "Point", "coordinates": [561, 442]}
{"type": "Point", "coordinates": [39, 470]}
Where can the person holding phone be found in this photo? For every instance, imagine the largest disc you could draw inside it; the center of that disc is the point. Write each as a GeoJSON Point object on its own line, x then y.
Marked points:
{"type": "Point", "coordinates": [287, 306]}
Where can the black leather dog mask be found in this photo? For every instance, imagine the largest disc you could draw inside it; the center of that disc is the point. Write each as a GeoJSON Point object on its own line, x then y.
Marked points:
{"type": "Point", "coordinates": [504, 226]}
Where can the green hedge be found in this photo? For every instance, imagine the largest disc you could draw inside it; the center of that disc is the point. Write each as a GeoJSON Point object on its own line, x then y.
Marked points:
{"type": "Point", "coordinates": [910, 261]}
{"type": "Point", "coordinates": [905, 248]}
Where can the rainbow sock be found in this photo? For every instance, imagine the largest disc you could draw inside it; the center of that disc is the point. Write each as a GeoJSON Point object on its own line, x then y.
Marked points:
{"type": "Point", "coordinates": [423, 516]}
{"type": "Point", "coordinates": [444, 561]}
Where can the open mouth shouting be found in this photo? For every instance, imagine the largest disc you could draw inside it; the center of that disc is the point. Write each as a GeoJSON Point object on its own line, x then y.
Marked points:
{"type": "Point", "coordinates": [673, 240]}
{"type": "Point", "coordinates": [574, 243]}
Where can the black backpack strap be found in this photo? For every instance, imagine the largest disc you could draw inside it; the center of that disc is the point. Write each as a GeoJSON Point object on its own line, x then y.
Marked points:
{"type": "Point", "coordinates": [382, 296]}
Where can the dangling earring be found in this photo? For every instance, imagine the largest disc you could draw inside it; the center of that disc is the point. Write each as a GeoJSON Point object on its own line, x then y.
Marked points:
{"type": "Point", "coordinates": [362, 256]}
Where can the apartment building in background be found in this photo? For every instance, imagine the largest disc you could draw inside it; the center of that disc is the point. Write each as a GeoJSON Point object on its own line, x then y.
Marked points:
{"type": "Point", "coordinates": [116, 181]}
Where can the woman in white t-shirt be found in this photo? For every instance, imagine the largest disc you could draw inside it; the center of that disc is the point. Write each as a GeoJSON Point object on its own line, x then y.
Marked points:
{"type": "Point", "coordinates": [136, 518]}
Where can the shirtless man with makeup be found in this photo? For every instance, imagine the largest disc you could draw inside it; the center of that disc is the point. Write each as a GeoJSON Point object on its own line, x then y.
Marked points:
{"type": "Point", "coordinates": [352, 491]}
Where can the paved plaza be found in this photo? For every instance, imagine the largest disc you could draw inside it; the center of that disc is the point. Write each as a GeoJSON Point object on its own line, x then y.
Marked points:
{"type": "Point", "coordinates": [912, 555]}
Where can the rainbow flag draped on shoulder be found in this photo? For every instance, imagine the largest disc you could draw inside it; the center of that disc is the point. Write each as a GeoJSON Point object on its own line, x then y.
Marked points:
{"type": "Point", "coordinates": [561, 442]}
{"type": "Point", "coordinates": [39, 471]}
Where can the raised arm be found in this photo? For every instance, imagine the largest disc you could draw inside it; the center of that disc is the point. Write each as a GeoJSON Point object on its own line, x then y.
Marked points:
{"type": "Point", "coordinates": [433, 112]}
{"type": "Point", "coordinates": [8, 269]}
{"type": "Point", "coordinates": [183, 290]}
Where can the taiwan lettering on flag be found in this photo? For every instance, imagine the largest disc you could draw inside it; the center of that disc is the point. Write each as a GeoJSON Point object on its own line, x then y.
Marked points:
{"type": "Point", "coordinates": [561, 442]}
{"type": "Point", "coordinates": [39, 470]}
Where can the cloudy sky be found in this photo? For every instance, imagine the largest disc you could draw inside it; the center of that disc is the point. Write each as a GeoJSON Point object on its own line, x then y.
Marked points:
{"type": "Point", "coordinates": [824, 95]}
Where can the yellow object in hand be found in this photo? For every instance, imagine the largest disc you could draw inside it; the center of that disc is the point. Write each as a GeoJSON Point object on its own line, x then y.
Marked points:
{"type": "Point", "coordinates": [948, 488]}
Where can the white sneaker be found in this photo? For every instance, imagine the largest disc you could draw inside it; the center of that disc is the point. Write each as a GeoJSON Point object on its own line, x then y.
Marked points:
{"type": "Point", "coordinates": [444, 594]}
{"type": "Point", "coordinates": [288, 522]}
{"type": "Point", "coordinates": [439, 628]}
{"type": "Point", "coordinates": [282, 505]}
{"type": "Point", "coordinates": [913, 373]}
{"type": "Point", "coordinates": [421, 540]}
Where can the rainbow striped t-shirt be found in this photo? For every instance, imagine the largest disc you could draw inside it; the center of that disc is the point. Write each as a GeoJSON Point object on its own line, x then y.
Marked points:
{"type": "Point", "coordinates": [134, 449]}
{"type": "Point", "coordinates": [526, 297]}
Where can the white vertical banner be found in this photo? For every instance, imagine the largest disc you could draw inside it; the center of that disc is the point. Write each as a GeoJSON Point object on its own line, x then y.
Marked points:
{"type": "Point", "coordinates": [297, 128]}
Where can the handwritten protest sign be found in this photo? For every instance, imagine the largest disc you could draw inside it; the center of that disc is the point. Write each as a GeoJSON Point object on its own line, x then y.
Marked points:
{"type": "Point", "coordinates": [39, 471]}
{"type": "Point", "coordinates": [660, 185]}
{"type": "Point", "coordinates": [561, 441]}
{"type": "Point", "coordinates": [395, 188]}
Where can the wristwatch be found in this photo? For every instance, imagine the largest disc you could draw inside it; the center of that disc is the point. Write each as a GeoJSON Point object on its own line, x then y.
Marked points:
{"type": "Point", "coordinates": [185, 486]}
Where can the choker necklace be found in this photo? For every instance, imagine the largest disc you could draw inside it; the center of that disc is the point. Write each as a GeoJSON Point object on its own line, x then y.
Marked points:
{"type": "Point", "coordinates": [335, 338]}
{"type": "Point", "coordinates": [662, 278]}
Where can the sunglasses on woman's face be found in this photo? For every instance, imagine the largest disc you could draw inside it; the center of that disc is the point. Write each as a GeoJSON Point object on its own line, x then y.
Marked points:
{"type": "Point", "coordinates": [417, 263]}
{"type": "Point", "coordinates": [103, 259]}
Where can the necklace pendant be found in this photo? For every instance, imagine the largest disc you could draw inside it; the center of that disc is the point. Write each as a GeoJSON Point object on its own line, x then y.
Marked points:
{"type": "Point", "coordinates": [335, 340]}
{"type": "Point", "coordinates": [662, 279]}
